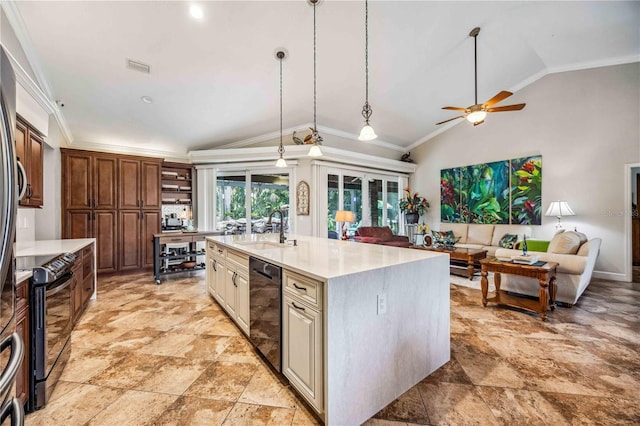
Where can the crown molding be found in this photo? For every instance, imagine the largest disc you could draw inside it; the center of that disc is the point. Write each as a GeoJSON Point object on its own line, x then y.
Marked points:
{"type": "Point", "coordinates": [41, 91]}
{"type": "Point", "coordinates": [122, 149]}
{"type": "Point", "coordinates": [239, 155]}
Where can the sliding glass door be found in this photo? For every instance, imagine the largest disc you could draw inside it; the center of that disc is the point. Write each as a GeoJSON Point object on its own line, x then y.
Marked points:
{"type": "Point", "coordinates": [372, 197]}
{"type": "Point", "coordinates": [237, 213]}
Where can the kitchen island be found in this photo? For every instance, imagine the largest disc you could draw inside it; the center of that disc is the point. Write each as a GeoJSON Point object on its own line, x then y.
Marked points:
{"type": "Point", "coordinates": [361, 323]}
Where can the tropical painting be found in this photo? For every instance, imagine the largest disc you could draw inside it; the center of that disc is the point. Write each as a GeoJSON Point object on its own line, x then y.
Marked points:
{"type": "Point", "coordinates": [508, 191]}
{"type": "Point", "coordinates": [450, 195]}
{"type": "Point", "coordinates": [485, 193]}
{"type": "Point", "coordinates": [526, 190]}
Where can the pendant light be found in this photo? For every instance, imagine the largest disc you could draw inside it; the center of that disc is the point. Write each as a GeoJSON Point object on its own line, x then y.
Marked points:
{"type": "Point", "coordinates": [316, 139]}
{"type": "Point", "coordinates": [367, 133]}
{"type": "Point", "coordinates": [280, 55]}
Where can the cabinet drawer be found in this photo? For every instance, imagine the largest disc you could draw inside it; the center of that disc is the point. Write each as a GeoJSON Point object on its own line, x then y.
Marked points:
{"type": "Point", "coordinates": [216, 250]}
{"type": "Point", "coordinates": [305, 288]}
{"type": "Point", "coordinates": [87, 251]}
{"type": "Point", "coordinates": [239, 259]}
{"type": "Point", "coordinates": [176, 239]}
{"type": "Point", "coordinates": [198, 238]}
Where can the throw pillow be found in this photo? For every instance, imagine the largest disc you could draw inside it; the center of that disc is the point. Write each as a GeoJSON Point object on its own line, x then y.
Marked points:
{"type": "Point", "coordinates": [444, 238]}
{"type": "Point", "coordinates": [564, 243]}
{"type": "Point", "coordinates": [508, 241]}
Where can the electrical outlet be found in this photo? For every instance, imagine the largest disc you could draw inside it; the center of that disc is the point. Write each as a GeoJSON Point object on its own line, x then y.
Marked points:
{"type": "Point", "coordinates": [382, 303]}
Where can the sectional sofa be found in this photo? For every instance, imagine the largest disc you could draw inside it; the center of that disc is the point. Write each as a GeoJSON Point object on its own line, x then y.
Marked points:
{"type": "Point", "coordinates": [484, 237]}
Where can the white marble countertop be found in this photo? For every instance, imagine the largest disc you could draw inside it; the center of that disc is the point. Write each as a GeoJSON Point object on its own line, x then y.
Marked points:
{"type": "Point", "coordinates": [50, 247]}
{"type": "Point", "coordinates": [23, 275]}
{"type": "Point", "coordinates": [323, 258]}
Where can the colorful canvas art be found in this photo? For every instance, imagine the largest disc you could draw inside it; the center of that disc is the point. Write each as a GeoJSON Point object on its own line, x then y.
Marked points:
{"type": "Point", "coordinates": [526, 190]}
{"type": "Point", "coordinates": [501, 192]}
{"type": "Point", "coordinates": [450, 195]}
{"type": "Point", "coordinates": [485, 193]}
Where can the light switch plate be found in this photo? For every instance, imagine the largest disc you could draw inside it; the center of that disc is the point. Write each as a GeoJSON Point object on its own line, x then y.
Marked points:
{"type": "Point", "coordinates": [382, 303]}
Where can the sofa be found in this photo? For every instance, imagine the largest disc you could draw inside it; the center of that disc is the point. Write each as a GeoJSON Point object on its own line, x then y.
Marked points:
{"type": "Point", "coordinates": [485, 237]}
{"type": "Point", "coordinates": [576, 257]}
{"type": "Point", "coordinates": [380, 235]}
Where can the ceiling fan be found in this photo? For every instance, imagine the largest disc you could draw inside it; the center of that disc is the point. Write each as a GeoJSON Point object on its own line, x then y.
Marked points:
{"type": "Point", "coordinates": [476, 113]}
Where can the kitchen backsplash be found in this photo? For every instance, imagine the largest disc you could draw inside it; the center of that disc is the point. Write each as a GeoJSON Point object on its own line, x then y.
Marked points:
{"type": "Point", "coordinates": [26, 225]}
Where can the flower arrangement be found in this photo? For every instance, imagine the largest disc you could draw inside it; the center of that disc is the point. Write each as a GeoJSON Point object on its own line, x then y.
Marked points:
{"type": "Point", "coordinates": [413, 203]}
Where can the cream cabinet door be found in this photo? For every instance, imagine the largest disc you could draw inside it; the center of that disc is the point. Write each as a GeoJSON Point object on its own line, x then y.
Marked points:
{"type": "Point", "coordinates": [221, 276]}
{"type": "Point", "coordinates": [302, 349]}
{"type": "Point", "coordinates": [242, 302]}
{"type": "Point", "coordinates": [230, 292]}
{"type": "Point", "coordinates": [211, 276]}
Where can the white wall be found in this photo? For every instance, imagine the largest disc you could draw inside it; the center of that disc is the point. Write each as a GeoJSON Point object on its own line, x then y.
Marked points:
{"type": "Point", "coordinates": [586, 126]}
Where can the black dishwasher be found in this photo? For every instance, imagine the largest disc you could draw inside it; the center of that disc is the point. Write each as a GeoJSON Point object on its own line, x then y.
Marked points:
{"type": "Point", "coordinates": [265, 305]}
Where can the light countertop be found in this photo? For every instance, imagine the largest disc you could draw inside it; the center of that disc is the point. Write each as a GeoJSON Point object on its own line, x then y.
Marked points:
{"type": "Point", "coordinates": [23, 275]}
{"type": "Point", "coordinates": [50, 247]}
{"type": "Point", "coordinates": [323, 258]}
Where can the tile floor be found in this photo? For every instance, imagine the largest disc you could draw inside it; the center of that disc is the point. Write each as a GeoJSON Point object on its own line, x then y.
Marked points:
{"type": "Point", "coordinates": [167, 355]}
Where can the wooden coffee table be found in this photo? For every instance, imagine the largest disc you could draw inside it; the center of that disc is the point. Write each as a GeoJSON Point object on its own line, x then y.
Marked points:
{"type": "Point", "coordinates": [545, 274]}
{"type": "Point", "coordinates": [460, 259]}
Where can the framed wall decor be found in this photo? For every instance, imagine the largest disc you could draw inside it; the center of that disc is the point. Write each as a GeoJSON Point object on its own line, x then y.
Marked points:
{"type": "Point", "coordinates": [302, 198]}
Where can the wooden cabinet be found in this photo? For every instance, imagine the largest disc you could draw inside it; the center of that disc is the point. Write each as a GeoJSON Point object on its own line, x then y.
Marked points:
{"type": "Point", "coordinates": [302, 348]}
{"type": "Point", "coordinates": [98, 224]}
{"type": "Point", "coordinates": [216, 271]}
{"type": "Point", "coordinates": [115, 199]}
{"type": "Point", "coordinates": [83, 282]}
{"type": "Point", "coordinates": [228, 282]}
{"type": "Point", "coordinates": [29, 150]}
{"type": "Point", "coordinates": [22, 328]}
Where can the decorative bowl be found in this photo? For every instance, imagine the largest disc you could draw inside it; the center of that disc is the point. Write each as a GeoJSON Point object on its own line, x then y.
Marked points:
{"type": "Point", "coordinates": [188, 264]}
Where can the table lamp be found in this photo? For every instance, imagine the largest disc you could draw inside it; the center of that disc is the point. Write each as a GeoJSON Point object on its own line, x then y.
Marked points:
{"type": "Point", "coordinates": [344, 216]}
{"type": "Point", "coordinates": [559, 209]}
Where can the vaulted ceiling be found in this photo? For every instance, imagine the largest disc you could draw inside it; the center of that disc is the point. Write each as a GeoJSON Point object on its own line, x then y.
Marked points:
{"type": "Point", "coordinates": [216, 81]}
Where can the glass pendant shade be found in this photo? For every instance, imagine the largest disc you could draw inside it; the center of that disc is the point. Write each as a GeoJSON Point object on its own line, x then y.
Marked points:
{"type": "Point", "coordinates": [281, 162]}
{"type": "Point", "coordinates": [315, 151]}
{"type": "Point", "coordinates": [476, 116]}
{"type": "Point", "coordinates": [367, 133]}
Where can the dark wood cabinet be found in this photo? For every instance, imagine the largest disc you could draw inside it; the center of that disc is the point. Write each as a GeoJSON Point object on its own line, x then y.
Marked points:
{"type": "Point", "coordinates": [83, 281]}
{"type": "Point", "coordinates": [29, 150]}
{"type": "Point", "coordinates": [98, 224]}
{"type": "Point", "coordinates": [76, 288]}
{"type": "Point", "coordinates": [22, 328]}
{"type": "Point", "coordinates": [129, 233]}
{"type": "Point", "coordinates": [151, 221]}
{"type": "Point", "coordinates": [115, 199]}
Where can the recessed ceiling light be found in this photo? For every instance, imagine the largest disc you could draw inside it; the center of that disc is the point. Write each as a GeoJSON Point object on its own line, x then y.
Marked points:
{"type": "Point", "coordinates": [147, 99]}
{"type": "Point", "coordinates": [196, 12]}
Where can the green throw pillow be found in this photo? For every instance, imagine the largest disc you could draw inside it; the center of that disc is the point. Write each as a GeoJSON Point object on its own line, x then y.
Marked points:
{"type": "Point", "coordinates": [508, 241]}
{"type": "Point", "coordinates": [444, 238]}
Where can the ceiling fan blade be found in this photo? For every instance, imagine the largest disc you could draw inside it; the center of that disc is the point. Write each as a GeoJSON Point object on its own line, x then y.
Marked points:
{"type": "Point", "coordinates": [454, 108]}
{"type": "Point", "coordinates": [454, 118]}
{"type": "Point", "coordinates": [478, 123]}
{"type": "Point", "coordinates": [497, 98]}
{"type": "Point", "coordinates": [516, 107]}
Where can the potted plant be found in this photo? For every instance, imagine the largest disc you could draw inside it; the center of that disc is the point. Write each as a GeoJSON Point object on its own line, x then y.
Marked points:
{"type": "Point", "coordinates": [412, 205]}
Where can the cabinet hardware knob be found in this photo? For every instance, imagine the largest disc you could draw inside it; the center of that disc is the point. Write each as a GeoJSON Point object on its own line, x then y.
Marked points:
{"type": "Point", "coordinates": [297, 307]}
{"type": "Point", "coordinates": [234, 279]}
{"type": "Point", "coordinates": [299, 288]}
{"type": "Point", "coordinates": [213, 265]}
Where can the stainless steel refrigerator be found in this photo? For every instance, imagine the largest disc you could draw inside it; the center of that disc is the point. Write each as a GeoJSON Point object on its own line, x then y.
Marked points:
{"type": "Point", "coordinates": [11, 346]}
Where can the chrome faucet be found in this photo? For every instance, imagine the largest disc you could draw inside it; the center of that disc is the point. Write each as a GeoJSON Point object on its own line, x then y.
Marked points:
{"type": "Point", "coordinates": [282, 237]}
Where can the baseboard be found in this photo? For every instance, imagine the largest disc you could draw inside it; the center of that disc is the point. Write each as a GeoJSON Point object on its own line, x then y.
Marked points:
{"type": "Point", "coordinates": [612, 276]}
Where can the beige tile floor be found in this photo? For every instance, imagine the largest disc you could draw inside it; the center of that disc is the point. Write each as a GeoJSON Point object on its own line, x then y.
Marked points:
{"type": "Point", "coordinates": [167, 355]}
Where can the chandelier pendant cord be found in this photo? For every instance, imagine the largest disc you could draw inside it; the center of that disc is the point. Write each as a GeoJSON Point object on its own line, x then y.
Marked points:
{"type": "Point", "coordinates": [315, 126]}
{"type": "Point", "coordinates": [281, 148]}
{"type": "Point", "coordinates": [475, 65]}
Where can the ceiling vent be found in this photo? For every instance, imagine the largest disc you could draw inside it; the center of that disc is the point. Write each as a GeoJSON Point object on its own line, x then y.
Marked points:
{"type": "Point", "coordinates": [138, 66]}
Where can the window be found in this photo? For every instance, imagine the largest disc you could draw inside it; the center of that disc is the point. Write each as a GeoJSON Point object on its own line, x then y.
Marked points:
{"type": "Point", "coordinates": [235, 214]}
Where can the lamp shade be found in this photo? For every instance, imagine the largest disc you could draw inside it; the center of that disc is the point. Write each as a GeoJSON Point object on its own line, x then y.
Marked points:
{"type": "Point", "coordinates": [314, 151]}
{"type": "Point", "coordinates": [559, 209]}
{"type": "Point", "coordinates": [367, 133]}
{"type": "Point", "coordinates": [344, 216]}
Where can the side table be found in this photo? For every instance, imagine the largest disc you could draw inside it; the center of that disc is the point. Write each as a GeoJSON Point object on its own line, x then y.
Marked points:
{"type": "Point", "coordinates": [545, 274]}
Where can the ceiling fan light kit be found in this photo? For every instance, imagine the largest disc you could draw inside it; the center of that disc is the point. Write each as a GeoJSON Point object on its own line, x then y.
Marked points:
{"type": "Point", "coordinates": [478, 112]}
{"type": "Point", "coordinates": [367, 133]}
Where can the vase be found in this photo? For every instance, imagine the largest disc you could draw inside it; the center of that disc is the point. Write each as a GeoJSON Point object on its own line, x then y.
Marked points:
{"type": "Point", "coordinates": [411, 218]}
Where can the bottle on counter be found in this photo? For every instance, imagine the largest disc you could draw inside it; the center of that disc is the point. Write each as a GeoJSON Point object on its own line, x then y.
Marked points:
{"type": "Point", "coordinates": [524, 246]}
